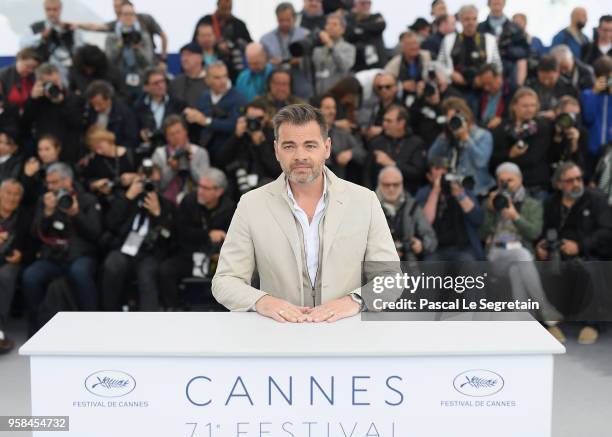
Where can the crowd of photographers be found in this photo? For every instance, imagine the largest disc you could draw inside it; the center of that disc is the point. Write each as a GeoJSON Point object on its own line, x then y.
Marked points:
{"type": "Point", "coordinates": [481, 144]}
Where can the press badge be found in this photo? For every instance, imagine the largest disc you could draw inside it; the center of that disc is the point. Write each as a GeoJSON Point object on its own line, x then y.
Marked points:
{"type": "Point", "coordinates": [513, 245]}
{"type": "Point", "coordinates": [132, 244]}
{"type": "Point", "coordinates": [371, 57]}
{"type": "Point", "coordinates": [201, 263]}
{"type": "Point", "coordinates": [323, 74]}
{"type": "Point", "coordinates": [132, 79]}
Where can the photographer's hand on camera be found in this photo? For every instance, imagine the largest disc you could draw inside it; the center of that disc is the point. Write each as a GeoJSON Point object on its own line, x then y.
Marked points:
{"type": "Point", "coordinates": [136, 187]}
{"type": "Point", "coordinates": [241, 127]}
{"type": "Point", "coordinates": [102, 186]}
{"type": "Point", "coordinates": [569, 248]}
{"type": "Point", "coordinates": [411, 86]}
{"type": "Point", "coordinates": [516, 150]}
{"type": "Point", "coordinates": [14, 257]}
{"type": "Point", "coordinates": [383, 159]}
{"type": "Point", "coordinates": [541, 251]}
{"type": "Point", "coordinates": [216, 235]}
{"type": "Point", "coordinates": [326, 39]}
{"type": "Point", "coordinates": [50, 203]}
{"type": "Point", "coordinates": [151, 204]}
{"type": "Point", "coordinates": [573, 135]}
{"type": "Point", "coordinates": [494, 122]}
{"type": "Point", "coordinates": [194, 116]}
{"type": "Point", "coordinates": [458, 79]}
{"type": "Point", "coordinates": [344, 157]}
{"type": "Point", "coordinates": [510, 213]}
{"type": "Point", "coordinates": [416, 246]}
{"type": "Point", "coordinates": [128, 178]}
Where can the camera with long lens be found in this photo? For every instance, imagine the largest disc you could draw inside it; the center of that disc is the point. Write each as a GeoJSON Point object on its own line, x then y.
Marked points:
{"type": "Point", "coordinates": [502, 198]}
{"type": "Point", "coordinates": [182, 158]}
{"type": "Point", "coordinates": [552, 244]}
{"type": "Point", "coordinates": [465, 181]}
{"type": "Point", "coordinates": [147, 170]}
{"type": "Point", "coordinates": [131, 38]}
{"type": "Point", "coordinates": [566, 120]}
{"type": "Point", "coordinates": [254, 124]}
{"type": "Point", "coordinates": [470, 73]}
{"type": "Point", "coordinates": [51, 90]}
{"type": "Point", "coordinates": [64, 37]}
{"type": "Point", "coordinates": [64, 199]}
{"type": "Point", "coordinates": [431, 84]}
{"type": "Point", "coordinates": [304, 47]}
{"type": "Point", "coordinates": [456, 122]}
{"type": "Point", "coordinates": [521, 134]}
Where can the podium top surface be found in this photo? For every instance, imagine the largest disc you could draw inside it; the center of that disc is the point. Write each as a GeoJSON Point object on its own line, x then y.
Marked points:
{"type": "Point", "coordinates": [249, 334]}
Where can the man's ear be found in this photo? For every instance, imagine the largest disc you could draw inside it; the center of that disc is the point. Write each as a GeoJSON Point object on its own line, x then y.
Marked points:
{"type": "Point", "coordinates": [276, 150]}
{"type": "Point", "coordinates": [327, 147]}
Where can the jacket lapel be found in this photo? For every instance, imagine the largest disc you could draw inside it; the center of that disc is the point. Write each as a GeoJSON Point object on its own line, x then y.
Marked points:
{"type": "Point", "coordinates": [335, 211]}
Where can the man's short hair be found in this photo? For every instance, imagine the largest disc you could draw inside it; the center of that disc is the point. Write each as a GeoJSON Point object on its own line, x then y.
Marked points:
{"type": "Point", "coordinates": [284, 6]}
{"type": "Point", "coordinates": [46, 69]}
{"type": "Point", "coordinates": [274, 73]}
{"type": "Point", "coordinates": [603, 66]}
{"type": "Point", "coordinates": [387, 169]}
{"type": "Point", "coordinates": [562, 51]}
{"type": "Point", "coordinates": [99, 88]}
{"type": "Point", "coordinates": [547, 64]}
{"type": "Point", "coordinates": [563, 168]}
{"type": "Point", "coordinates": [337, 16]}
{"type": "Point", "coordinates": [11, 181]}
{"type": "Point", "coordinates": [605, 19]}
{"type": "Point", "coordinates": [152, 71]}
{"type": "Point", "coordinates": [63, 169]}
{"type": "Point", "coordinates": [440, 19]}
{"type": "Point", "coordinates": [216, 175]}
{"type": "Point", "coordinates": [467, 8]}
{"type": "Point", "coordinates": [408, 34]}
{"type": "Point", "coordinates": [214, 65]}
{"type": "Point", "coordinates": [171, 120]}
{"type": "Point", "coordinates": [402, 112]}
{"type": "Point", "coordinates": [566, 100]}
{"type": "Point", "coordinates": [299, 115]}
{"type": "Point", "coordinates": [28, 53]}
{"type": "Point", "coordinates": [489, 68]}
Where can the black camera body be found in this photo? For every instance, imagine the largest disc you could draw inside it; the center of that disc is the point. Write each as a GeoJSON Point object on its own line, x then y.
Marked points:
{"type": "Point", "coordinates": [64, 199]}
{"type": "Point", "coordinates": [131, 38]}
{"type": "Point", "coordinates": [304, 47]}
{"type": "Point", "coordinates": [465, 181]}
{"type": "Point", "coordinates": [566, 120]}
{"type": "Point", "coordinates": [51, 90]}
{"type": "Point", "coordinates": [456, 122]}
{"type": "Point", "coordinates": [182, 158]}
{"type": "Point", "coordinates": [502, 198]}
{"type": "Point", "coordinates": [521, 134]}
{"type": "Point", "coordinates": [147, 169]}
{"type": "Point", "coordinates": [431, 84]}
{"type": "Point", "coordinates": [254, 124]}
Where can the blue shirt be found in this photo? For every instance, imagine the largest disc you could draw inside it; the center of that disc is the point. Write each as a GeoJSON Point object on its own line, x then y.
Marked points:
{"type": "Point", "coordinates": [252, 84]}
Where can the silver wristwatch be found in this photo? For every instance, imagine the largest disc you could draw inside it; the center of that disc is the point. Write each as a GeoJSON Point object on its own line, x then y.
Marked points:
{"type": "Point", "coordinates": [357, 298]}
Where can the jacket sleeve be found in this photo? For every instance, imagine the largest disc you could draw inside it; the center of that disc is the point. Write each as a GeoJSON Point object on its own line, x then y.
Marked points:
{"type": "Point", "coordinates": [531, 220]}
{"type": "Point", "coordinates": [343, 56]}
{"type": "Point", "coordinates": [479, 148]}
{"type": "Point", "coordinates": [425, 232]}
{"type": "Point", "coordinates": [231, 283]}
{"type": "Point", "coordinates": [88, 222]}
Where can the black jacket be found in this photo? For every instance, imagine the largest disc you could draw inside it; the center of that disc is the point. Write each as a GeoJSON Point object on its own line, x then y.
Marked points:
{"type": "Point", "coordinates": [589, 223]}
{"type": "Point", "coordinates": [534, 163]}
{"type": "Point", "coordinates": [80, 232]}
{"type": "Point", "coordinates": [9, 119]}
{"type": "Point", "coordinates": [512, 41]}
{"type": "Point", "coordinates": [62, 120]}
{"type": "Point", "coordinates": [121, 121]}
{"type": "Point", "coordinates": [365, 33]}
{"type": "Point", "coordinates": [234, 30]}
{"type": "Point", "coordinates": [11, 169]}
{"type": "Point", "coordinates": [120, 218]}
{"type": "Point", "coordinates": [146, 120]}
{"type": "Point", "coordinates": [195, 221]}
{"type": "Point", "coordinates": [550, 97]}
{"type": "Point", "coordinates": [409, 155]}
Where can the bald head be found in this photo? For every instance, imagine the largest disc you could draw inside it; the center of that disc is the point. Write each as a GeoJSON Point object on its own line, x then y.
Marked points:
{"type": "Point", "coordinates": [256, 56]}
{"type": "Point", "coordinates": [579, 17]}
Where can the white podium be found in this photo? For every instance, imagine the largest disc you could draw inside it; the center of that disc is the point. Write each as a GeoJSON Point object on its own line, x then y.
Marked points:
{"type": "Point", "coordinates": [242, 375]}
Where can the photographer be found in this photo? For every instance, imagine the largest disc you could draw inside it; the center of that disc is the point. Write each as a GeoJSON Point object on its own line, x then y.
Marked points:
{"type": "Point", "coordinates": [413, 235]}
{"type": "Point", "coordinates": [10, 160]}
{"type": "Point", "coordinates": [153, 107]}
{"type": "Point", "coordinates": [412, 67]}
{"type": "Point", "coordinates": [33, 175]}
{"type": "Point", "coordinates": [106, 110]}
{"type": "Point", "coordinates": [550, 86]}
{"type": "Point", "coordinates": [347, 152]}
{"type": "Point", "coordinates": [601, 45]}
{"type": "Point", "coordinates": [52, 110]}
{"type": "Point", "coordinates": [129, 48]}
{"type": "Point", "coordinates": [511, 40]}
{"type": "Point", "coordinates": [202, 220]}
{"type": "Point", "coordinates": [467, 146]}
{"type": "Point", "coordinates": [576, 73]}
{"type": "Point", "coordinates": [512, 223]}
{"type": "Point", "coordinates": [365, 31]}
{"type": "Point", "coordinates": [18, 80]}
{"type": "Point", "coordinates": [290, 46]}
{"type": "Point", "coordinates": [279, 86]}
{"type": "Point", "coordinates": [109, 168]}
{"type": "Point", "coordinates": [179, 161]}
{"type": "Point", "coordinates": [217, 110]}
{"type": "Point", "coordinates": [54, 39]}
{"type": "Point", "coordinates": [495, 97]}
{"type": "Point", "coordinates": [251, 82]}
{"type": "Point", "coordinates": [248, 156]}
{"type": "Point", "coordinates": [334, 60]}
{"type": "Point", "coordinates": [597, 110]}
{"type": "Point", "coordinates": [13, 233]}
{"type": "Point", "coordinates": [577, 228]}
{"type": "Point", "coordinates": [190, 84]}
{"type": "Point", "coordinates": [453, 212]}
{"type": "Point", "coordinates": [526, 141]}
{"type": "Point", "coordinates": [442, 25]}
{"type": "Point", "coordinates": [140, 228]}
{"type": "Point", "coordinates": [462, 54]}
{"type": "Point", "coordinates": [397, 146]}
{"type": "Point", "coordinates": [385, 89]}
{"type": "Point", "coordinates": [572, 35]}
{"type": "Point", "coordinates": [91, 64]}
{"type": "Point", "coordinates": [570, 138]}
{"type": "Point", "coordinates": [67, 224]}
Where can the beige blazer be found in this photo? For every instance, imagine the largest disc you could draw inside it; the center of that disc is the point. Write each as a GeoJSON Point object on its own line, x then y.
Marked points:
{"type": "Point", "coordinates": [263, 236]}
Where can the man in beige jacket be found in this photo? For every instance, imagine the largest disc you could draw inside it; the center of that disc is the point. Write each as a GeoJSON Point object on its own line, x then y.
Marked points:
{"type": "Point", "coordinates": [307, 234]}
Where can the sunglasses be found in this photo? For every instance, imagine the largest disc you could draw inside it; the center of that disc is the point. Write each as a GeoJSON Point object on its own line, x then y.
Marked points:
{"type": "Point", "coordinates": [572, 180]}
{"type": "Point", "coordinates": [391, 184]}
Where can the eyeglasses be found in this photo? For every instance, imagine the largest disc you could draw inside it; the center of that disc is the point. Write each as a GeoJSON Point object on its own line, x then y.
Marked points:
{"type": "Point", "coordinates": [384, 87]}
{"type": "Point", "coordinates": [391, 184]}
{"type": "Point", "coordinates": [572, 180]}
{"type": "Point", "coordinates": [204, 187]}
